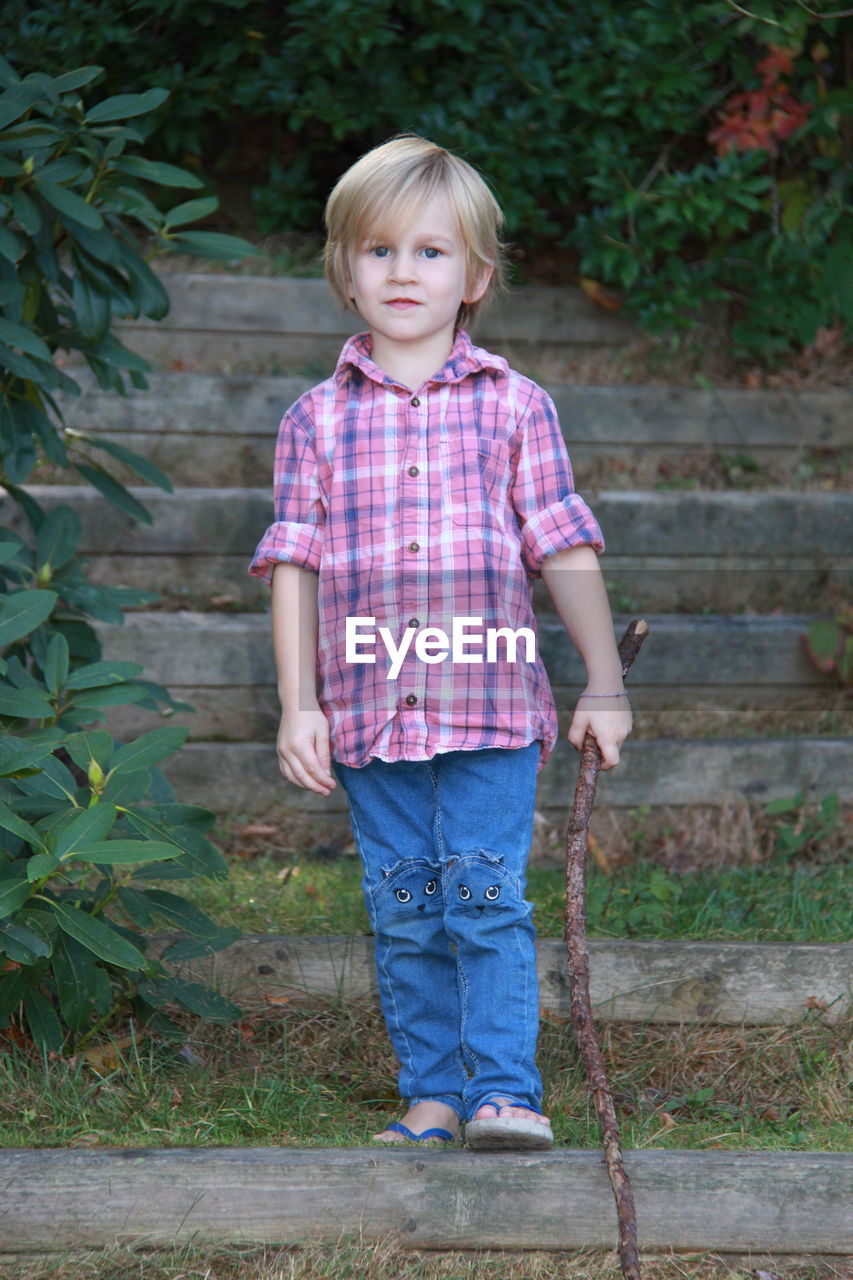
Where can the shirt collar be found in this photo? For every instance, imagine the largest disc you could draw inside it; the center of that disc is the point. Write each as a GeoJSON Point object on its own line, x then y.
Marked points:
{"type": "Point", "coordinates": [464, 358]}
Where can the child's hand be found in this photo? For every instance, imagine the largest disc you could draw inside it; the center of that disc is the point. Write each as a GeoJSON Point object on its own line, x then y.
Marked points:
{"type": "Point", "coordinates": [303, 750]}
{"type": "Point", "coordinates": [609, 725]}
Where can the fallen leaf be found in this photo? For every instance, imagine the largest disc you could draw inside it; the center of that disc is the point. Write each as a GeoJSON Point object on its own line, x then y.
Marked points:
{"type": "Point", "coordinates": [260, 829]}
{"type": "Point", "coordinates": [106, 1057]}
{"type": "Point", "coordinates": [276, 999]}
{"type": "Point", "coordinates": [600, 294]}
{"type": "Point", "coordinates": [815, 1002]}
{"type": "Point", "coordinates": [222, 602]}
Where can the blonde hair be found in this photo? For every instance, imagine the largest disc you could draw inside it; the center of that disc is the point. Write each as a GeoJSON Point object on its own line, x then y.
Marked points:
{"type": "Point", "coordinates": [386, 186]}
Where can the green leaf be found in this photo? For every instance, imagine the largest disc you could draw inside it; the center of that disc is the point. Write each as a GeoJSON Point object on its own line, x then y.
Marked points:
{"type": "Point", "coordinates": [41, 1019]}
{"type": "Point", "coordinates": [125, 105]}
{"type": "Point", "coordinates": [18, 100]}
{"type": "Point", "coordinates": [214, 244]}
{"type": "Point", "coordinates": [69, 204]}
{"type": "Point", "coordinates": [166, 175]}
{"type": "Point", "coordinates": [22, 944]}
{"type": "Point", "coordinates": [97, 937]}
{"type": "Point", "coordinates": [23, 611]}
{"type": "Point", "coordinates": [84, 989]}
{"type": "Point", "coordinates": [24, 339]}
{"type": "Point", "coordinates": [194, 948]}
{"type": "Point", "coordinates": [135, 906]}
{"type": "Point", "coordinates": [142, 466]}
{"type": "Point", "coordinates": [41, 864]}
{"type": "Point", "coordinates": [191, 211]}
{"type": "Point", "coordinates": [89, 826]}
{"type": "Point", "coordinates": [19, 756]}
{"type": "Point", "coordinates": [95, 674]}
{"type": "Point", "coordinates": [28, 214]}
{"type": "Point", "coordinates": [145, 287]}
{"type": "Point", "coordinates": [53, 779]}
{"type": "Point", "coordinates": [57, 538]}
{"type": "Point", "coordinates": [90, 744]}
{"type": "Point", "coordinates": [184, 915]}
{"type": "Point", "coordinates": [116, 493]}
{"type": "Point", "coordinates": [127, 852]}
{"type": "Point", "coordinates": [12, 986]}
{"type": "Point", "coordinates": [14, 892]}
{"type": "Point", "coordinates": [149, 748]}
{"type": "Point", "coordinates": [110, 696]}
{"type": "Point", "coordinates": [11, 247]}
{"type": "Point", "coordinates": [56, 663]}
{"type": "Point", "coordinates": [11, 821]}
{"type": "Point", "coordinates": [24, 704]}
{"type": "Point", "coordinates": [199, 999]}
{"type": "Point", "coordinates": [92, 310]}
{"type": "Point", "coordinates": [76, 79]}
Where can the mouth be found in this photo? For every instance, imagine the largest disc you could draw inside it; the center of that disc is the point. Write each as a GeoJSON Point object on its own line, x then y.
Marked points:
{"type": "Point", "coordinates": [402, 303]}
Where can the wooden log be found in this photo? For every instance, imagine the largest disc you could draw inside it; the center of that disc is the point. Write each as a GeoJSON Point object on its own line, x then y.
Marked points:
{"type": "Point", "coordinates": [244, 776]}
{"type": "Point", "coordinates": [779, 1202]}
{"type": "Point", "coordinates": [726, 983]}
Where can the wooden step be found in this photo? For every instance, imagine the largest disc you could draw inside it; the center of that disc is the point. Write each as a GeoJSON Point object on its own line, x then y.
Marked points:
{"type": "Point", "coordinates": [243, 777]}
{"type": "Point", "coordinates": [223, 665]}
{"type": "Point", "coordinates": [218, 320]}
{"type": "Point", "coordinates": [750, 549]}
{"type": "Point", "coordinates": [724, 983]}
{"type": "Point", "coordinates": [220, 429]}
{"type": "Point", "coordinates": [747, 1201]}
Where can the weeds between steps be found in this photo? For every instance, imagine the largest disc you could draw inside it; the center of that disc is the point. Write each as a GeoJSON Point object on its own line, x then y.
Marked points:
{"type": "Point", "coordinates": [352, 1260]}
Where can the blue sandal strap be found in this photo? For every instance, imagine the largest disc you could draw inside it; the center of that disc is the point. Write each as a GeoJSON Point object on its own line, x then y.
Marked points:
{"type": "Point", "coordinates": [396, 1127]}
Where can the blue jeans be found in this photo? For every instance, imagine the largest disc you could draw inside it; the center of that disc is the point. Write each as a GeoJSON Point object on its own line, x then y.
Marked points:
{"type": "Point", "coordinates": [444, 845]}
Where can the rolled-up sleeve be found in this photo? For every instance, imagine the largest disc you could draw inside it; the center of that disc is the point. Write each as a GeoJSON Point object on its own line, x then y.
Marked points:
{"type": "Point", "coordinates": [296, 535]}
{"type": "Point", "coordinates": [551, 515]}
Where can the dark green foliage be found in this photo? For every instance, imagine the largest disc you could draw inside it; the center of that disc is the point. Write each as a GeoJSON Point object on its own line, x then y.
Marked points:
{"type": "Point", "coordinates": [81, 817]}
{"type": "Point", "coordinates": [591, 121]}
{"type": "Point", "coordinates": [80, 814]}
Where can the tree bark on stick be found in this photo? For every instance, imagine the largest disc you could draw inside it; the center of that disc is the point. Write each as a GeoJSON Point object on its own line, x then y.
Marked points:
{"type": "Point", "coordinates": [577, 845]}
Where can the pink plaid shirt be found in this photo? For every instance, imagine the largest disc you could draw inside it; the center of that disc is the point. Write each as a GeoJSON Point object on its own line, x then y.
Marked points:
{"type": "Point", "coordinates": [415, 509]}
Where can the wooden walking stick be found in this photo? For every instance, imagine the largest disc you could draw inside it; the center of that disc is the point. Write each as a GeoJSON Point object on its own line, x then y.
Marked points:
{"type": "Point", "coordinates": [577, 842]}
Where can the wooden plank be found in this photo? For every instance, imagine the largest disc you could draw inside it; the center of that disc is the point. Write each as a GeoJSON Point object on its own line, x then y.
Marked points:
{"type": "Point", "coordinates": [244, 776]}
{"type": "Point", "coordinates": [239, 405]}
{"type": "Point", "coordinates": [726, 983]}
{"type": "Point", "coordinates": [739, 528]}
{"type": "Point", "coordinates": [784, 1202]}
{"type": "Point", "coordinates": [201, 650]}
{"type": "Point", "coordinates": [232, 305]}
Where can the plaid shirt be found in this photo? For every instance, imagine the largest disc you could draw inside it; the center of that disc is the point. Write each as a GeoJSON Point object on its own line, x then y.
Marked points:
{"type": "Point", "coordinates": [415, 509]}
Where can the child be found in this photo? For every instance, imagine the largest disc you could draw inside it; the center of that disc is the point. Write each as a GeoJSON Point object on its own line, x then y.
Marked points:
{"type": "Point", "coordinates": [419, 491]}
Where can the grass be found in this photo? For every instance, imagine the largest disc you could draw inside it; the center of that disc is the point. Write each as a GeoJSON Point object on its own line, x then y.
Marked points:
{"type": "Point", "coordinates": [325, 1076]}
{"type": "Point", "coordinates": [354, 1260]}
{"type": "Point", "coordinates": [695, 873]}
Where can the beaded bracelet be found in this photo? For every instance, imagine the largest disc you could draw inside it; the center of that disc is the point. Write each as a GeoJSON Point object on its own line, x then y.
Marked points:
{"type": "Point", "coordinates": [623, 693]}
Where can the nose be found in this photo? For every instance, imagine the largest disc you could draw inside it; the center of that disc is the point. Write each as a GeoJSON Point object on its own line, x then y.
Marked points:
{"type": "Point", "coordinates": [402, 268]}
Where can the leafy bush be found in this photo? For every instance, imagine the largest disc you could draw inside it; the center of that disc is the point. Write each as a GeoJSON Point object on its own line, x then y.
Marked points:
{"type": "Point", "coordinates": [86, 824]}
{"type": "Point", "coordinates": [79, 811]}
{"type": "Point", "coordinates": [662, 146]}
{"type": "Point", "coordinates": [829, 646]}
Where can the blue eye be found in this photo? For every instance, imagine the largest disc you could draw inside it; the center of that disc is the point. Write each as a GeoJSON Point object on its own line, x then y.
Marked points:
{"type": "Point", "coordinates": [432, 253]}
{"type": "Point", "coordinates": [380, 251]}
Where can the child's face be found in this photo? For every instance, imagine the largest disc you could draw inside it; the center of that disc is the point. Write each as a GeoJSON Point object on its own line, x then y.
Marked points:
{"type": "Point", "coordinates": [408, 284]}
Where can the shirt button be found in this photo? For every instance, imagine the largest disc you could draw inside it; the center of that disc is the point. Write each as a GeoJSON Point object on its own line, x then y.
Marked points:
{"type": "Point", "coordinates": [411, 700]}
{"type": "Point", "coordinates": [415, 402]}
{"type": "Point", "coordinates": [413, 622]}
{"type": "Point", "coordinates": [414, 546]}
{"type": "Point", "coordinates": [413, 471]}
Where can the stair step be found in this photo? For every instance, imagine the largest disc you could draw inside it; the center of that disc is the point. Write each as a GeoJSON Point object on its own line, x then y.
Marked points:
{"type": "Point", "coordinates": [774, 1201]}
{"type": "Point", "coordinates": [223, 665]}
{"type": "Point", "coordinates": [243, 777]}
{"type": "Point", "coordinates": [220, 429]}
{"type": "Point", "coordinates": [747, 549]}
{"type": "Point", "coordinates": [724, 983]}
{"type": "Point", "coordinates": [221, 319]}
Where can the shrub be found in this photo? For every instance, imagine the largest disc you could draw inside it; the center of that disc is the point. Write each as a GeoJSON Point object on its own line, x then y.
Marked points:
{"type": "Point", "coordinates": [664, 147]}
{"type": "Point", "coordinates": [85, 821]}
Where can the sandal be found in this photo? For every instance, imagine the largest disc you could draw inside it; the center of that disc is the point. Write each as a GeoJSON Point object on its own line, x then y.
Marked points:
{"type": "Point", "coordinates": [508, 1133]}
{"type": "Point", "coordinates": [435, 1135]}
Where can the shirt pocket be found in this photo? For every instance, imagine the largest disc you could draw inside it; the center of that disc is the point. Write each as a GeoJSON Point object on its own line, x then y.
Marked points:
{"type": "Point", "coordinates": [472, 474]}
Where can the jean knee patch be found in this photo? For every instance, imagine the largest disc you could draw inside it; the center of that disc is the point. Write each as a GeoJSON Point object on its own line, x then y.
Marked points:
{"type": "Point", "coordinates": [478, 883]}
{"type": "Point", "coordinates": [408, 892]}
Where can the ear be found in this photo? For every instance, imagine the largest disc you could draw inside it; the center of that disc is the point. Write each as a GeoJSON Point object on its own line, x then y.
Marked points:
{"type": "Point", "coordinates": [481, 283]}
